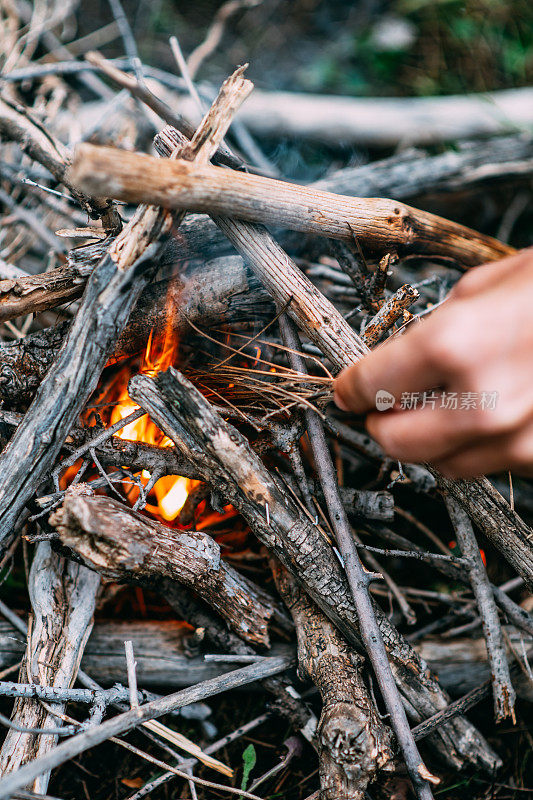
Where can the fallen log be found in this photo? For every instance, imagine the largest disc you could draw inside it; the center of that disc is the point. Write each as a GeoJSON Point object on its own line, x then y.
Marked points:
{"type": "Point", "coordinates": [126, 546]}
{"type": "Point", "coordinates": [384, 122]}
{"type": "Point", "coordinates": [164, 661]}
{"type": "Point", "coordinates": [160, 650]}
{"type": "Point", "coordinates": [63, 596]}
{"type": "Point", "coordinates": [337, 120]}
{"type": "Point", "coordinates": [354, 745]}
{"type": "Point", "coordinates": [379, 225]}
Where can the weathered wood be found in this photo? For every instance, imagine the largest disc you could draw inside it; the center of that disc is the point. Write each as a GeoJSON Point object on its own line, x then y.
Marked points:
{"type": "Point", "coordinates": [230, 466]}
{"type": "Point", "coordinates": [384, 121]}
{"type": "Point", "coordinates": [413, 173]}
{"type": "Point", "coordinates": [126, 546]}
{"type": "Point", "coordinates": [160, 652]}
{"type": "Point", "coordinates": [286, 700]}
{"type": "Point", "coordinates": [63, 596]}
{"type": "Point", "coordinates": [164, 662]}
{"type": "Point", "coordinates": [379, 225]}
{"type": "Point", "coordinates": [390, 312]}
{"type": "Point", "coordinates": [353, 743]}
{"type": "Point", "coordinates": [502, 688]}
{"type": "Point", "coordinates": [35, 445]}
{"type": "Point", "coordinates": [219, 292]}
{"type": "Point", "coordinates": [359, 581]}
{"type": "Point", "coordinates": [462, 664]}
{"type": "Point", "coordinates": [137, 89]}
{"type": "Point", "coordinates": [35, 293]}
{"type": "Point", "coordinates": [368, 504]}
{"type": "Point", "coordinates": [406, 175]}
{"type": "Point", "coordinates": [496, 519]}
{"type": "Point", "coordinates": [137, 716]}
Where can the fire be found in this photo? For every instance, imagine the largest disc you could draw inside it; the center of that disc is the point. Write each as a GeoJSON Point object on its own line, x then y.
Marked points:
{"type": "Point", "coordinates": [171, 491]}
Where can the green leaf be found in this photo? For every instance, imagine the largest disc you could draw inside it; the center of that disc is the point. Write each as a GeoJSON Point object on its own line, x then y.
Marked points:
{"type": "Point", "coordinates": [249, 759]}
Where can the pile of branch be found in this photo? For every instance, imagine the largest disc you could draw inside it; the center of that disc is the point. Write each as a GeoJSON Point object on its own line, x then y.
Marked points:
{"type": "Point", "coordinates": [246, 415]}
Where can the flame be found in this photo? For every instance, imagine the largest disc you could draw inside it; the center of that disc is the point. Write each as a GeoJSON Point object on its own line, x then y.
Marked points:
{"type": "Point", "coordinates": [171, 491]}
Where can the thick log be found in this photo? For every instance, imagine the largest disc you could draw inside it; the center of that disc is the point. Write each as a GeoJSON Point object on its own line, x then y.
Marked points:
{"type": "Point", "coordinates": [126, 546]}
{"type": "Point", "coordinates": [238, 474]}
{"type": "Point", "coordinates": [384, 121]}
{"type": "Point", "coordinates": [220, 292]}
{"type": "Point", "coordinates": [353, 743]}
{"type": "Point", "coordinates": [462, 664]}
{"type": "Point", "coordinates": [164, 661]}
{"type": "Point", "coordinates": [161, 653]}
{"type": "Point", "coordinates": [379, 225]}
{"type": "Point", "coordinates": [63, 596]}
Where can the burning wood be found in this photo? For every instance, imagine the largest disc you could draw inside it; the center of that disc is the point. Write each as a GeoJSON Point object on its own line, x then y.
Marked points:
{"type": "Point", "coordinates": [164, 426]}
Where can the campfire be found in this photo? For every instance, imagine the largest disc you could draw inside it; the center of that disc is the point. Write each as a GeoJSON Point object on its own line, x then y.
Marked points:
{"type": "Point", "coordinates": [172, 428]}
{"type": "Point", "coordinates": [169, 493]}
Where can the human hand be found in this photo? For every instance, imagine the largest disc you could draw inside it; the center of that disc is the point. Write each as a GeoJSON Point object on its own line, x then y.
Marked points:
{"type": "Point", "coordinates": [479, 345]}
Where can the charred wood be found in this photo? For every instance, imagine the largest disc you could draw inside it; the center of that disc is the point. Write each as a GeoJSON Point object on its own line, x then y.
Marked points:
{"type": "Point", "coordinates": [221, 292]}
{"type": "Point", "coordinates": [126, 546]}
{"type": "Point", "coordinates": [354, 745]}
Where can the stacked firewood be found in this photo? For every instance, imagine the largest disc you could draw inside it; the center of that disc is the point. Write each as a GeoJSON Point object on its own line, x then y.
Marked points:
{"type": "Point", "coordinates": [244, 412]}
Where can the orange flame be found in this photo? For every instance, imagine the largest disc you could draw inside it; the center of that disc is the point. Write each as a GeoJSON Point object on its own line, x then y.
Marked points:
{"type": "Point", "coordinates": [171, 491]}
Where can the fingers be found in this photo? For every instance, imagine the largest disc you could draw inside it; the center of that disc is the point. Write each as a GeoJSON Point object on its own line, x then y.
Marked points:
{"type": "Point", "coordinates": [486, 276]}
{"type": "Point", "coordinates": [398, 366]}
{"type": "Point", "coordinates": [493, 455]}
{"type": "Point", "coordinates": [459, 443]}
{"type": "Point", "coordinates": [426, 434]}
